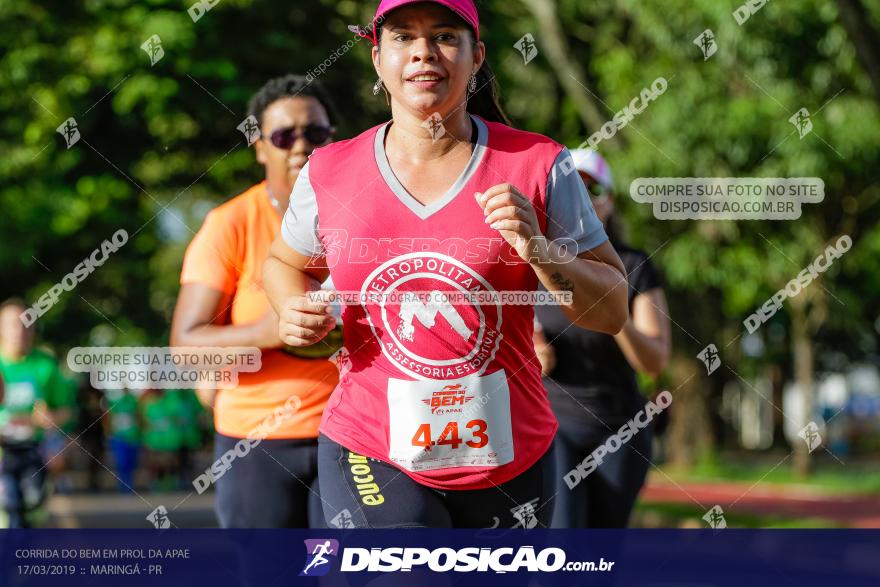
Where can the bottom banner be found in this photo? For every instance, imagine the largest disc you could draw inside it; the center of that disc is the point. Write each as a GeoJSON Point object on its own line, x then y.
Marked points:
{"type": "Point", "coordinates": [220, 558]}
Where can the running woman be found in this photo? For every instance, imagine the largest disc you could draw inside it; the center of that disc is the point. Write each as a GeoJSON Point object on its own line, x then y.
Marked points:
{"type": "Point", "coordinates": [591, 379]}
{"type": "Point", "coordinates": [440, 418]}
{"type": "Point", "coordinates": [34, 400]}
{"type": "Point", "coordinates": [222, 303]}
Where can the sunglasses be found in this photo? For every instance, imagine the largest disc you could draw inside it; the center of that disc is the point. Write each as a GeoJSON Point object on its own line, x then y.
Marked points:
{"type": "Point", "coordinates": [316, 134]}
{"type": "Point", "coordinates": [597, 190]}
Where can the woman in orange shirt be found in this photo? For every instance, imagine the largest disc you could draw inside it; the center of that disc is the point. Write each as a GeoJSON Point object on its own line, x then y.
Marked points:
{"type": "Point", "coordinates": [222, 303]}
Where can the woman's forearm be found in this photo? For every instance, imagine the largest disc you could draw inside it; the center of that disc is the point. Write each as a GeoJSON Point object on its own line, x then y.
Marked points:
{"type": "Point", "coordinates": [645, 340]}
{"type": "Point", "coordinates": [598, 286]}
{"type": "Point", "coordinates": [281, 282]}
{"type": "Point", "coordinates": [200, 316]}
{"type": "Point", "coordinates": [643, 352]}
{"type": "Point", "coordinates": [220, 335]}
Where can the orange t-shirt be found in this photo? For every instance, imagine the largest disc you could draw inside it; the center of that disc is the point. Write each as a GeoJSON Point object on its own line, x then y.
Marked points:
{"type": "Point", "coordinates": [227, 254]}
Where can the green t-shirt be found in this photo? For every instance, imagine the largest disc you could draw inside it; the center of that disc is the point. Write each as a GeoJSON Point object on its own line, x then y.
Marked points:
{"type": "Point", "coordinates": [161, 432]}
{"type": "Point", "coordinates": [34, 378]}
{"type": "Point", "coordinates": [67, 398]}
{"type": "Point", "coordinates": [185, 406]}
{"type": "Point", "coordinates": [124, 417]}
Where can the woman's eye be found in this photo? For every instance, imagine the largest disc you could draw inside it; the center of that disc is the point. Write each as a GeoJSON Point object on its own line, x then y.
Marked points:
{"type": "Point", "coordinates": [445, 37]}
{"type": "Point", "coordinates": [401, 37]}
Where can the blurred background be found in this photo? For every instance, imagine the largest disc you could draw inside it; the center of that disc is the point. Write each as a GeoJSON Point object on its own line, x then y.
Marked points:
{"type": "Point", "coordinates": [159, 148]}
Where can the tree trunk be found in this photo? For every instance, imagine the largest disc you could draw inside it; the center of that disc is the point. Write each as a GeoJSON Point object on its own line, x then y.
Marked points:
{"type": "Point", "coordinates": [552, 39]}
{"type": "Point", "coordinates": [863, 37]}
{"type": "Point", "coordinates": [802, 350]}
{"type": "Point", "coordinates": [690, 432]}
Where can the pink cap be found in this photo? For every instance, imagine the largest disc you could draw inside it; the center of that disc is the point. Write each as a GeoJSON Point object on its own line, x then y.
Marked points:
{"type": "Point", "coordinates": [463, 8]}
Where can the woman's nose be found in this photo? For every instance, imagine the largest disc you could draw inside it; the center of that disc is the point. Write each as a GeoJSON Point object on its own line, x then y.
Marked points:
{"type": "Point", "coordinates": [424, 49]}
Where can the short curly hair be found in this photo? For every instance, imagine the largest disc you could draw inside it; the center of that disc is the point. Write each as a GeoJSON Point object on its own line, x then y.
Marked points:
{"type": "Point", "coordinates": [290, 86]}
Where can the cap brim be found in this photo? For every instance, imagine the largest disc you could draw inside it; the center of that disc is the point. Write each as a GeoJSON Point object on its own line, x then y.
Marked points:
{"type": "Point", "coordinates": [455, 10]}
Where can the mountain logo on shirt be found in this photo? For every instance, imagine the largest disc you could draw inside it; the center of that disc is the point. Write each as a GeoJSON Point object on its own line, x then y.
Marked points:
{"type": "Point", "coordinates": [426, 313]}
{"type": "Point", "coordinates": [434, 316]}
{"type": "Point", "coordinates": [450, 399]}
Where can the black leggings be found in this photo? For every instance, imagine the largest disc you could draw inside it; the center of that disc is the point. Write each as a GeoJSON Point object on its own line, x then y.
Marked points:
{"type": "Point", "coordinates": [604, 498]}
{"type": "Point", "coordinates": [272, 486]}
{"type": "Point", "coordinates": [358, 492]}
{"type": "Point", "coordinates": [23, 479]}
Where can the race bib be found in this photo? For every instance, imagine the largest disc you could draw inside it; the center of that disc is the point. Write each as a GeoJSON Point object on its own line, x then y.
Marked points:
{"type": "Point", "coordinates": [437, 424]}
{"type": "Point", "coordinates": [20, 396]}
{"type": "Point", "coordinates": [18, 432]}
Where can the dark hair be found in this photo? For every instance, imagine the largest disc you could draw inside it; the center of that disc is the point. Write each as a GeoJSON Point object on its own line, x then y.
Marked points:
{"type": "Point", "coordinates": [485, 102]}
{"type": "Point", "coordinates": [614, 232]}
{"type": "Point", "coordinates": [290, 86]}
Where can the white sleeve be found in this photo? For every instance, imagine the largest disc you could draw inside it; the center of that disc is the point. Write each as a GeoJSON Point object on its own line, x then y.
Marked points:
{"type": "Point", "coordinates": [570, 213]}
{"type": "Point", "coordinates": [299, 228]}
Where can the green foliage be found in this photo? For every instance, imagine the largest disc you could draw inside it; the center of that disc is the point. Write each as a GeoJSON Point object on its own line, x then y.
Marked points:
{"type": "Point", "coordinates": [160, 145]}
{"type": "Point", "coordinates": [728, 117]}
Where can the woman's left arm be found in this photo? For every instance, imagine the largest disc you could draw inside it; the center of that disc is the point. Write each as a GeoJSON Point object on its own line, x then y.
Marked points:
{"type": "Point", "coordinates": [596, 278]}
{"type": "Point", "coordinates": [645, 339]}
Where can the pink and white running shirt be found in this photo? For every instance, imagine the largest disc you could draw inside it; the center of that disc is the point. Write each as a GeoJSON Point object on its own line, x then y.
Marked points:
{"type": "Point", "coordinates": [443, 387]}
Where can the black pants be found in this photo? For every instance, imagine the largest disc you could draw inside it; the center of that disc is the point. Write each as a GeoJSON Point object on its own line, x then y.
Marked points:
{"type": "Point", "coordinates": [604, 498]}
{"type": "Point", "coordinates": [24, 482]}
{"type": "Point", "coordinates": [358, 492]}
{"type": "Point", "coordinates": [272, 486]}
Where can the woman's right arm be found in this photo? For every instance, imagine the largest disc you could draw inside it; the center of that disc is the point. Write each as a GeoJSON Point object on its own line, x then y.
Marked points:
{"type": "Point", "coordinates": [293, 286]}
{"type": "Point", "coordinates": [199, 307]}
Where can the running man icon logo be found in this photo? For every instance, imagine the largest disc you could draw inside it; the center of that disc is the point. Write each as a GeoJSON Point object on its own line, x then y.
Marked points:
{"type": "Point", "coordinates": [706, 42]}
{"type": "Point", "coordinates": [526, 46]}
{"type": "Point", "coordinates": [318, 551]}
{"type": "Point", "coordinates": [70, 131]}
{"type": "Point", "coordinates": [159, 518]}
{"type": "Point", "coordinates": [434, 124]}
{"type": "Point", "coordinates": [710, 358]}
{"type": "Point", "coordinates": [801, 121]}
{"type": "Point", "coordinates": [334, 241]}
{"type": "Point", "coordinates": [715, 518]}
{"type": "Point", "coordinates": [342, 520]}
{"type": "Point", "coordinates": [810, 434]}
{"type": "Point", "coordinates": [250, 129]}
{"type": "Point", "coordinates": [153, 48]}
{"type": "Point", "coordinates": [342, 360]}
{"type": "Point", "coordinates": [525, 514]}
{"type": "Point", "coordinates": [426, 313]}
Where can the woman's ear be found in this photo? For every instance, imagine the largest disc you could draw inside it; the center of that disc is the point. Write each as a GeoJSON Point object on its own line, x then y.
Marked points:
{"type": "Point", "coordinates": [260, 150]}
{"type": "Point", "coordinates": [376, 60]}
{"type": "Point", "coordinates": [479, 55]}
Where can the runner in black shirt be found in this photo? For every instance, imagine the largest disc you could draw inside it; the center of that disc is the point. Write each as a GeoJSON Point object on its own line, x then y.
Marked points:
{"type": "Point", "coordinates": [591, 380]}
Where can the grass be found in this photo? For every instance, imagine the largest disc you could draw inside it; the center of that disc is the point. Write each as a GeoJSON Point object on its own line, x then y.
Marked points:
{"type": "Point", "coordinates": [673, 515]}
{"type": "Point", "coordinates": [828, 476]}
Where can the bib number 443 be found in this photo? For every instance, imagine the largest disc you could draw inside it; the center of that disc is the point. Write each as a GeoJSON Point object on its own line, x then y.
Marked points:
{"type": "Point", "coordinates": [451, 423]}
{"type": "Point", "coordinates": [450, 435]}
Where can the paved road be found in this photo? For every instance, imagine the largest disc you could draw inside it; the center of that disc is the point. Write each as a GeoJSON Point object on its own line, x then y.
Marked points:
{"type": "Point", "coordinates": [185, 510]}
{"type": "Point", "coordinates": [195, 511]}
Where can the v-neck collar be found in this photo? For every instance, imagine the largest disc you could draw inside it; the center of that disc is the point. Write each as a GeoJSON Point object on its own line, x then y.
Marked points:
{"type": "Point", "coordinates": [425, 211]}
